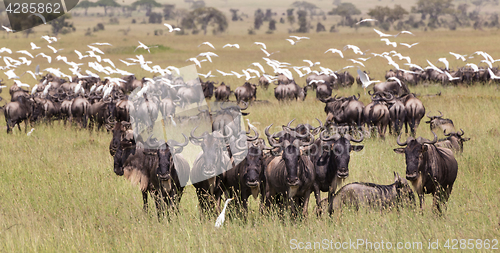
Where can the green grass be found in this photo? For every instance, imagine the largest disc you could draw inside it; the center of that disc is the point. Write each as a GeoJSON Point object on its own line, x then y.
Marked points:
{"type": "Point", "coordinates": [58, 191]}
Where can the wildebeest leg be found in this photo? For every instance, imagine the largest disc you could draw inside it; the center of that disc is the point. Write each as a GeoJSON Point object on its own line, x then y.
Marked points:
{"type": "Point", "coordinates": [145, 201]}
{"type": "Point", "coordinates": [306, 203]}
{"type": "Point", "coordinates": [317, 195]}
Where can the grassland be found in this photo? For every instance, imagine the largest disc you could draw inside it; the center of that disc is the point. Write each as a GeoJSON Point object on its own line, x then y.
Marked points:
{"type": "Point", "coordinates": [58, 192]}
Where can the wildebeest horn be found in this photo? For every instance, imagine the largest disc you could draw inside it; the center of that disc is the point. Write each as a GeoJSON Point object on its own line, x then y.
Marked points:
{"type": "Point", "coordinates": [289, 123]}
{"type": "Point", "coordinates": [220, 134]}
{"type": "Point", "coordinates": [309, 143]}
{"type": "Point", "coordinates": [194, 137]}
{"type": "Point", "coordinates": [370, 93]}
{"type": "Point", "coordinates": [350, 138]}
{"type": "Point", "coordinates": [110, 120]}
{"type": "Point", "coordinates": [153, 144]}
{"type": "Point", "coordinates": [270, 137]}
{"type": "Point", "coordinates": [440, 116]}
{"type": "Point", "coordinates": [433, 141]}
{"type": "Point", "coordinates": [238, 146]}
{"type": "Point", "coordinates": [461, 133]}
{"type": "Point", "coordinates": [399, 143]}
{"type": "Point", "coordinates": [333, 137]}
{"type": "Point", "coordinates": [246, 104]}
{"type": "Point", "coordinates": [175, 143]}
{"type": "Point", "coordinates": [446, 134]}
{"type": "Point", "coordinates": [253, 138]}
{"type": "Point", "coordinates": [359, 95]}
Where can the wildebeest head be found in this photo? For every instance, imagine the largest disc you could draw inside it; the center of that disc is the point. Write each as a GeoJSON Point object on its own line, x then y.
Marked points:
{"type": "Point", "coordinates": [291, 143]}
{"type": "Point", "coordinates": [456, 139]}
{"type": "Point", "coordinates": [213, 146]}
{"type": "Point", "coordinates": [126, 148]}
{"type": "Point", "coordinates": [438, 122]}
{"type": "Point", "coordinates": [338, 150]}
{"type": "Point", "coordinates": [165, 152]}
{"type": "Point", "coordinates": [414, 153]}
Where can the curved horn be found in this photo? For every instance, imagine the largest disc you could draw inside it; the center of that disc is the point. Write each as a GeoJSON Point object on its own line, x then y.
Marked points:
{"type": "Point", "coordinates": [359, 95]}
{"type": "Point", "coordinates": [193, 136]}
{"type": "Point", "coordinates": [175, 143]}
{"type": "Point", "coordinates": [370, 93]}
{"type": "Point", "coordinates": [153, 144]}
{"type": "Point", "coordinates": [333, 137]}
{"type": "Point", "coordinates": [289, 123]}
{"type": "Point", "coordinates": [253, 138]}
{"type": "Point", "coordinates": [309, 143]}
{"type": "Point", "coordinates": [430, 117]}
{"type": "Point", "coordinates": [446, 134]}
{"type": "Point", "coordinates": [246, 104]}
{"type": "Point", "coordinates": [399, 143]}
{"type": "Point", "coordinates": [350, 138]}
{"type": "Point", "coordinates": [460, 135]}
{"type": "Point", "coordinates": [433, 141]}
{"type": "Point", "coordinates": [440, 116]}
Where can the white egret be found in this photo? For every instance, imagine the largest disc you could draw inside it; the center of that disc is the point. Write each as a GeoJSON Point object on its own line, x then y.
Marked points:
{"type": "Point", "coordinates": [260, 44]}
{"type": "Point", "coordinates": [459, 56]}
{"type": "Point", "coordinates": [8, 30]}
{"type": "Point", "coordinates": [298, 38]}
{"type": "Point", "coordinates": [408, 45]}
{"type": "Point", "coordinates": [445, 62]}
{"type": "Point", "coordinates": [25, 52]}
{"type": "Point", "coordinates": [388, 42]}
{"type": "Point", "coordinates": [492, 75]}
{"type": "Point", "coordinates": [222, 216]}
{"type": "Point", "coordinates": [366, 20]}
{"type": "Point", "coordinates": [30, 132]}
{"type": "Point", "coordinates": [224, 73]}
{"type": "Point", "coordinates": [365, 80]}
{"type": "Point", "coordinates": [171, 29]}
{"type": "Point", "coordinates": [141, 45]}
{"type": "Point", "coordinates": [381, 34]}
{"type": "Point", "coordinates": [207, 43]}
{"type": "Point", "coordinates": [33, 46]}
{"type": "Point", "coordinates": [53, 49]}
{"type": "Point", "coordinates": [231, 45]}
{"type": "Point", "coordinates": [334, 50]}
{"type": "Point", "coordinates": [293, 42]}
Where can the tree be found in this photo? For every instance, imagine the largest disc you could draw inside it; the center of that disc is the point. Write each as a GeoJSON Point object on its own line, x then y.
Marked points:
{"type": "Point", "coordinates": [379, 13]}
{"type": "Point", "coordinates": [169, 11]}
{"type": "Point", "coordinates": [290, 16]}
{"type": "Point", "coordinates": [234, 13]}
{"type": "Point", "coordinates": [433, 9]}
{"type": "Point", "coordinates": [305, 5]}
{"type": "Point", "coordinates": [60, 25]}
{"type": "Point", "coordinates": [106, 4]}
{"type": "Point", "coordinates": [345, 10]}
{"type": "Point", "coordinates": [86, 5]}
{"type": "Point", "coordinates": [269, 15]}
{"type": "Point", "coordinates": [481, 3]}
{"type": "Point", "coordinates": [205, 17]}
{"type": "Point", "coordinates": [396, 13]}
{"type": "Point", "coordinates": [272, 25]}
{"type": "Point", "coordinates": [258, 19]}
{"type": "Point", "coordinates": [147, 4]}
{"type": "Point", "coordinates": [302, 21]}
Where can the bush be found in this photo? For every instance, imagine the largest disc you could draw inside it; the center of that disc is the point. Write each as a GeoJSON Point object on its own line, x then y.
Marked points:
{"type": "Point", "coordinates": [134, 21]}
{"type": "Point", "coordinates": [114, 21]}
{"type": "Point", "coordinates": [100, 26]}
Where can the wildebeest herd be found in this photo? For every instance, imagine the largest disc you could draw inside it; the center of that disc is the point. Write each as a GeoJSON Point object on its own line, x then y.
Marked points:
{"type": "Point", "coordinates": [233, 162]}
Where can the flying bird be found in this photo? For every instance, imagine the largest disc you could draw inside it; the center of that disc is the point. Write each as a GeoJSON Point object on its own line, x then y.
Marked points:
{"type": "Point", "coordinates": [298, 38]}
{"type": "Point", "coordinates": [451, 78]}
{"type": "Point", "coordinates": [141, 45]}
{"type": "Point", "coordinates": [434, 67]}
{"type": "Point", "coordinates": [404, 32]}
{"type": "Point", "coordinates": [393, 78]}
{"type": "Point", "coordinates": [10, 74]}
{"type": "Point", "coordinates": [258, 65]}
{"type": "Point", "coordinates": [80, 55]}
{"type": "Point", "coordinates": [49, 59]}
{"type": "Point", "coordinates": [354, 48]}
{"type": "Point", "coordinates": [171, 29]}
{"type": "Point", "coordinates": [366, 20]}
{"type": "Point", "coordinates": [311, 64]}
{"type": "Point", "coordinates": [95, 49]}
{"type": "Point", "coordinates": [4, 49]}
{"type": "Point", "coordinates": [49, 39]}
{"type": "Point", "coordinates": [260, 44]}
{"type": "Point", "coordinates": [208, 44]}
{"type": "Point", "coordinates": [358, 62]}
{"type": "Point", "coordinates": [33, 46]}
{"type": "Point", "coordinates": [267, 53]}
{"type": "Point", "coordinates": [101, 44]}
{"type": "Point", "coordinates": [408, 45]}
{"type": "Point", "coordinates": [224, 73]}
{"type": "Point", "coordinates": [195, 61]}
{"type": "Point", "coordinates": [381, 34]}
{"type": "Point", "coordinates": [25, 52]}
{"type": "Point", "coordinates": [53, 49]}
{"type": "Point", "coordinates": [127, 63]}
{"type": "Point", "coordinates": [492, 75]}
{"type": "Point", "coordinates": [222, 216]}
{"type": "Point", "coordinates": [209, 74]}
{"type": "Point", "coordinates": [459, 56]}
{"type": "Point", "coordinates": [292, 42]}
{"type": "Point", "coordinates": [445, 62]}
{"type": "Point", "coordinates": [231, 45]}
{"type": "Point", "coordinates": [365, 80]}
{"type": "Point", "coordinates": [388, 42]}
{"type": "Point", "coordinates": [473, 66]}
{"type": "Point", "coordinates": [8, 30]}
{"type": "Point", "coordinates": [333, 50]}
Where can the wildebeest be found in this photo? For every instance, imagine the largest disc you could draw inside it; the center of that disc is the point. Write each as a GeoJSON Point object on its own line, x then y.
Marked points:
{"type": "Point", "coordinates": [190, 95]}
{"type": "Point", "coordinates": [207, 168]}
{"type": "Point", "coordinates": [332, 165]}
{"type": "Point", "coordinates": [415, 111]}
{"type": "Point", "coordinates": [393, 87]}
{"type": "Point", "coordinates": [397, 115]}
{"type": "Point", "coordinates": [247, 92]}
{"type": "Point", "coordinates": [430, 169]}
{"type": "Point", "coordinates": [374, 195]}
{"type": "Point", "coordinates": [223, 92]}
{"type": "Point", "coordinates": [437, 122]}
{"type": "Point", "coordinates": [263, 82]}
{"type": "Point", "coordinates": [247, 177]}
{"type": "Point", "coordinates": [17, 112]}
{"type": "Point", "coordinates": [287, 91]}
{"type": "Point", "coordinates": [345, 79]}
{"type": "Point", "coordinates": [101, 113]}
{"type": "Point", "coordinates": [323, 90]}
{"type": "Point", "coordinates": [80, 108]}
{"type": "Point", "coordinates": [344, 110]}
{"type": "Point", "coordinates": [376, 114]}
{"type": "Point", "coordinates": [289, 175]}
{"type": "Point", "coordinates": [329, 80]}
{"type": "Point", "coordinates": [453, 141]}
{"type": "Point", "coordinates": [208, 89]}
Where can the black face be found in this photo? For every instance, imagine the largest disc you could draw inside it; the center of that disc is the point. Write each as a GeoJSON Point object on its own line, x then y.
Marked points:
{"type": "Point", "coordinates": [340, 156]}
{"type": "Point", "coordinates": [254, 166]}
{"type": "Point", "coordinates": [291, 157]}
{"type": "Point", "coordinates": [165, 163]}
{"type": "Point", "coordinates": [111, 109]}
{"type": "Point", "coordinates": [212, 154]}
{"type": "Point", "coordinates": [414, 155]}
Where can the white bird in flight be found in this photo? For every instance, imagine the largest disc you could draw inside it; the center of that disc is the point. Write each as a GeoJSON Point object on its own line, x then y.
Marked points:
{"type": "Point", "coordinates": [473, 66]}
{"type": "Point", "coordinates": [207, 43]}
{"type": "Point", "coordinates": [49, 39]}
{"type": "Point", "coordinates": [127, 63]}
{"type": "Point", "coordinates": [267, 53]}
{"type": "Point", "coordinates": [334, 50]}
{"type": "Point", "coordinates": [222, 216]}
{"type": "Point", "coordinates": [5, 49]}
{"type": "Point", "coordinates": [388, 42]}
{"type": "Point", "coordinates": [459, 56]}
{"type": "Point", "coordinates": [381, 34]}
{"type": "Point", "coordinates": [311, 64]}
{"type": "Point", "coordinates": [434, 67]}
{"type": "Point", "coordinates": [260, 44]}
{"type": "Point", "coordinates": [293, 42]}
{"type": "Point", "coordinates": [408, 45]}
{"type": "Point", "coordinates": [25, 52]}
{"type": "Point", "coordinates": [195, 61]}
{"type": "Point", "coordinates": [209, 74]}
{"type": "Point", "coordinates": [492, 75]}
{"type": "Point", "coordinates": [231, 45]}
{"type": "Point", "coordinates": [33, 46]}
{"type": "Point", "coordinates": [95, 49]}
{"type": "Point", "coordinates": [358, 62]}
{"type": "Point", "coordinates": [49, 59]}
{"type": "Point", "coordinates": [224, 73]}
{"type": "Point", "coordinates": [171, 29]}
{"type": "Point", "coordinates": [10, 74]}
{"type": "Point", "coordinates": [80, 55]}
{"type": "Point", "coordinates": [141, 45]}
{"type": "Point", "coordinates": [101, 44]}
{"type": "Point", "coordinates": [451, 78]}
{"type": "Point", "coordinates": [298, 38]}
{"type": "Point", "coordinates": [354, 48]}
{"type": "Point", "coordinates": [53, 49]}
{"type": "Point", "coordinates": [365, 80]}
{"type": "Point", "coordinates": [367, 20]}
{"type": "Point", "coordinates": [393, 78]}
{"type": "Point", "coordinates": [445, 62]}
{"type": "Point", "coordinates": [8, 30]}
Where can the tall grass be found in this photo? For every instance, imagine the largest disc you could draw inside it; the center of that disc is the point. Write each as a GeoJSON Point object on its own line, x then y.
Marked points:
{"type": "Point", "coordinates": [58, 191]}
